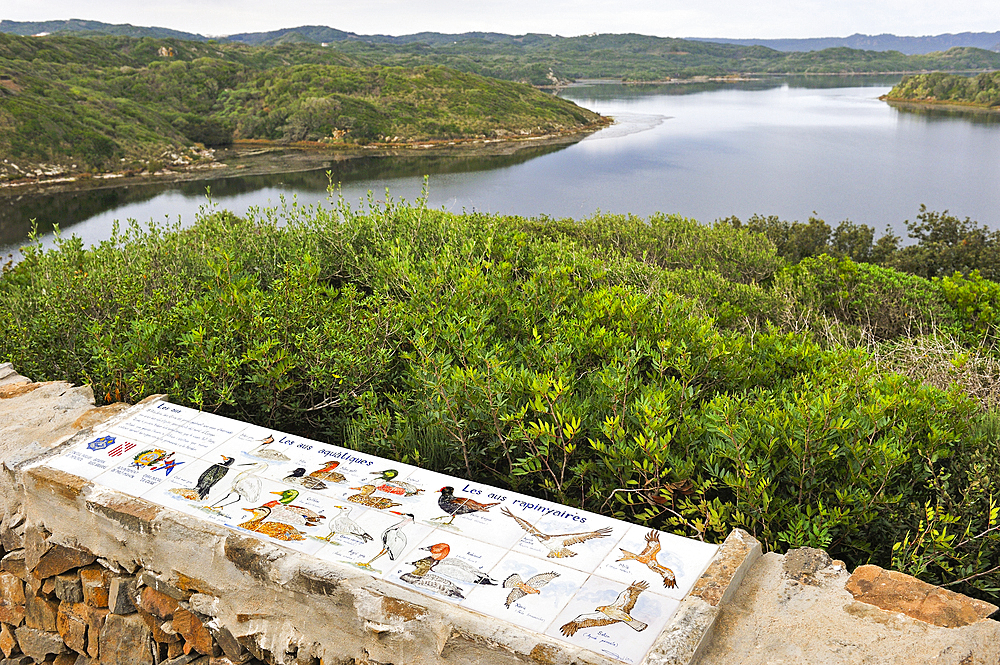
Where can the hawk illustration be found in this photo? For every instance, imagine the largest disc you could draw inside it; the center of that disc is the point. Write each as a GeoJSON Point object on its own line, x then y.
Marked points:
{"type": "Point", "coordinates": [605, 615]}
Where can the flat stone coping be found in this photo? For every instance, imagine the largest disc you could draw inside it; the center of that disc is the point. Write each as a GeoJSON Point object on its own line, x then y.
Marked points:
{"type": "Point", "coordinates": [626, 592]}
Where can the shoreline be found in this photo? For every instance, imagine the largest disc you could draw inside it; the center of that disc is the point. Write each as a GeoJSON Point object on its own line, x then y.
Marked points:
{"type": "Point", "coordinates": [939, 105]}
{"type": "Point", "coordinates": [260, 157]}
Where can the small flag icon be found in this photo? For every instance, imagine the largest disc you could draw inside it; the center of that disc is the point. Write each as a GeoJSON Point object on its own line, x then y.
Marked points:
{"type": "Point", "coordinates": [121, 448]}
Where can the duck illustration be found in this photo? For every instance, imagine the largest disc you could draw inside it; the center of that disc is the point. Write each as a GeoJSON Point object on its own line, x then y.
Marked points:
{"type": "Point", "coordinates": [520, 588]}
{"type": "Point", "coordinates": [343, 523]}
{"type": "Point", "coordinates": [457, 505]}
{"type": "Point", "coordinates": [558, 544]}
{"type": "Point", "coordinates": [422, 578]}
{"type": "Point", "coordinates": [391, 486]}
{"type": "Point", "coordinates": [277, 530]}
{"type": "Point", "coordinates": [393, 538]}
{"type": "Point", "coordinates": [648, 557]}
{"type": "Point", "coordinates": [299, 477]}
{"type": "Point", "coordinates": [283, 511]}
{"type": "Point", "coordinates": [328, 473]}
{"type": "Point", "coordinates": [246, 485]}
{"type": "Point", "coordinates": [366, 498]}
{"type": "Point", "coordinates": [456, 569]}
{"type": "Point", "coordinates": [605, 615]}
{"type": "Point", "coordinates": [210, 476]}
{"type": "Point", "coordinates": [263, 451]}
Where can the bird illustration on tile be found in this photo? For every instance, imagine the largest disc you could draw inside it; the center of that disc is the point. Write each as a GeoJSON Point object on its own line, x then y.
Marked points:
{"type": "Point", "coordinates": [276, 530]}
{"type": "Point", "coordinates": [393, 539]}
{"type": "Point", "coordinates": [605, 615]}
{"type": "Point", "coordinates": [263, 451]}
{"type": "Point", "coordinates": [327, 473]}
{"type": "Point", "coordinates": [520, 588]}
{"type": "Point", "coordinates": [456, 569]}
{"type": "Point", "coordinates": [648, 557]}
{"type": "Point", "coordinates": [365, 498]}
{"type": "Point", "coordinates": [246, 485]}
{"type": "Point", "coordinates": [558, 544]}
{"type": "Point", "coordinates": [206, 481]}
{"type": "Point", "coordinates": [392, 486]}
{"type": "Point", "coordinates": [343, 523]}
{"type": "Point", "coordinates": [457, 505]}
{"type": "Point", "coordinates": [422, 577]}
{"type": "Point", "coordinates": [299, 477]}
{"type": "Point", "coordinates": [283, 511]}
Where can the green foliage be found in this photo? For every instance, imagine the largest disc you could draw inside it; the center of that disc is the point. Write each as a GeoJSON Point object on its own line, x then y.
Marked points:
{"type": "Point", "coordinates": [615, 364]}
{"type": "Point", "coordinates": [981, 90]}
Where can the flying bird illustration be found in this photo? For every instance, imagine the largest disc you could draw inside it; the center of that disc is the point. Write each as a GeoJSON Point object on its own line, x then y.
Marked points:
{"type": "Point", "coordinates": [605, 615]}
{"type": "Point", "coordinates": [648, 557]}
{"type": "Point", "coordinates": [520, 588]}
{"type": "Point", "coordinates": [458, 505]}
{"type": "Point", "coordinates": [558, 544]}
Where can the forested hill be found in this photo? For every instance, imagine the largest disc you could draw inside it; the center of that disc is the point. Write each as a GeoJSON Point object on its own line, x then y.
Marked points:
{"type": "Point", "coordinates": [982, 90]}
{"type": "Point", "coordinates": [539, 58]}
{"type": "Point", "coordinates": [115, 102]}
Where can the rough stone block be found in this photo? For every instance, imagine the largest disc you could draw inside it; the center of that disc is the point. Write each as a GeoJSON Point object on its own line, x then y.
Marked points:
{"type": "Point", "coordinates": [36, 544]}
{"type": "Point", "coordinates": [13, 563]}
{"type": "Point", "coordinates": [33, 584]}
{"type": "Point", "coordinates": [153, 582]}
{"type": "Point", "coordinates": [175, 653]}
{"type": "Point", "coordinates": [121, 591]}
{"type": "Point", "coordinates": [131, 513]}
{"type": "Point", "coordinates": [39, 643]}
{"type": "Point", "coordinates": [194, 632]}
{"type": "Point", "coordinates": [897, 592]}
{"type": "Point", "coordinates": [71, 624]}
{"type": "Point", "coordinates": [229, 644]}
{"type": "Point", "coordinates": [20, 660]}
{"type": "Point", "coordinates": [12, 614]}
{"type": "Point", "coordinates": [12, 534]}
{"type": "Point", "coordinates": [95, 624]}
{"type": "Point", "coordinates": [11, 589]}
{"type": "Point", "coordinates": [58, 559]}
{"type": "Point", "coordinates": [8, 642]}
{"type": "Point", "coordinates": [68, 588]}
{"type": "Point", "coordinates": [157, 603]}
{"type": "Point", "coordinates": [40, 613]}
{"type": "Point", "coordinates": [66, 659]}
{"type": "Point", "coordinates": [126, 640]}
{"type": "Point", "coordinates": [95, 581]}
{"type": "Point", "coordinates": [155, 626]}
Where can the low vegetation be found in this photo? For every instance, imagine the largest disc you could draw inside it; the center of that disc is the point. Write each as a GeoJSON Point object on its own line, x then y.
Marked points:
{"type": "Point", "coordinates": [692, 378]}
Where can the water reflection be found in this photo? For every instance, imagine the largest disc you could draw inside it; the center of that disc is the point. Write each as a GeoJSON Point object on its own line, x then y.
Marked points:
{"type": "Point", "coordinates": [947, 114]}
{"type": "Point", "coordinates": [67, 209]}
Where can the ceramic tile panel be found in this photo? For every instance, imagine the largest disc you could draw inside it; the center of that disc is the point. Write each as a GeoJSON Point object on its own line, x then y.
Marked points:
{"type": "Point", "coordinates": [620, 620]}
{"type": "Point", "coordinates": [599, 583]}
{"type": "Point", "coordinates": [671, 564]}
{"type": "Point", "coordinates": [530, 592]}
{"type": "Point", "coordinates": [371, 539]}
{"type": "Point", "coordinates": [472, 509]}
{"type": "Point", "coordinates": [154, 422]}
{"type": "Point", "coordinates": [447, 566]}
{"type": "Point", "coordinates": [573, 538]}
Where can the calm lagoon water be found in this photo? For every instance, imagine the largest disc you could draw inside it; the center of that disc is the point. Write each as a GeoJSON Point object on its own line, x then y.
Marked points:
{"type": "Point", "coordinates": [790, 147]}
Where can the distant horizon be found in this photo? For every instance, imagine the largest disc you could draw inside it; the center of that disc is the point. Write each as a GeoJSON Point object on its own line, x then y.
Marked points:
{"type": "Point", "coordinates": [208, 35]}
{"type": "Point", "coordinates": [769, 19]}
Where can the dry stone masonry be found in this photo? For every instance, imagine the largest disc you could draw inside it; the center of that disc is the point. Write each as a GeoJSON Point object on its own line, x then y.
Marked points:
{"type": "Point", "coordinates": [157, 534]}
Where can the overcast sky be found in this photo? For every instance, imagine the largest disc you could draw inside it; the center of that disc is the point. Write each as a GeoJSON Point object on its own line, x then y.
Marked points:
{"type": "Point", "coordinates": [666, 18]}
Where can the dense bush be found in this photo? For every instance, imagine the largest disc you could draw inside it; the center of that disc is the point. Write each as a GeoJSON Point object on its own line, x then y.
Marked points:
{"type": "Point", "coordinates": [615, 364]}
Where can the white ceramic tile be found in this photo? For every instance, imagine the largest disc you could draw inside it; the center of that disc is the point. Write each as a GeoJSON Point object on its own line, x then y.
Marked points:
{"type": "Point", "coordinates": [671, 571]}
{"type": "Point", "coordinates": [93, 457]}
{"type": "Point", "coordinates": [555, 586]}
{"type": "Point", "coordinates": [390, 538]}
{"type": "Point", "coordinates": [452, 578]}
{"type": "Point", "coordinates": [203, 433]}
{"type": "Point", "coordinates": [143, 468]}
{"type": "Point", "coordinates": [573, 538]}
{"type": "Point", "coordinates": [491, 525]}
{"type": "Point", "coordinates": [627, 642]}
{"type": "Point", "coordinates": [154, 422]}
